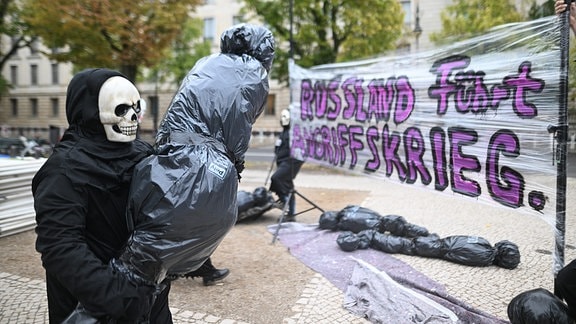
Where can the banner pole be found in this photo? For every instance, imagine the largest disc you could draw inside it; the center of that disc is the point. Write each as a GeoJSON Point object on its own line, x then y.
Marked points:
{"type": "Point", "coordinates": [561, 140]}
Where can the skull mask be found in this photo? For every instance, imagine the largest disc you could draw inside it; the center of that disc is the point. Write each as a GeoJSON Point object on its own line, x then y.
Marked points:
{"type": "Point", "coordinates": [120, 105]}
{"type": "Point", "coordinates": [285, 117]}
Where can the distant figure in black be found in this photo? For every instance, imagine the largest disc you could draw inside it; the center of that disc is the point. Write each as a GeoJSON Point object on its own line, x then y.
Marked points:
{"type": "Point", "coordinates": [287, 167]}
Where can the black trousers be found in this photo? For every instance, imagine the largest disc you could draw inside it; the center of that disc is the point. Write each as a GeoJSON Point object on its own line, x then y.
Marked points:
{"type": "Point", "coordinates": [205, 269]}
{"type": "Point", "coordinates": [282, 181]}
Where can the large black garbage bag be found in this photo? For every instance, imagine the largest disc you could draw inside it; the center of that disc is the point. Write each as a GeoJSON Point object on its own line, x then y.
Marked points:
{"type": "Point", "coordinates": [413, 230]}
{"type": "Point", "coordinates": [184, 197]}
{"type": "Point", "coordinates": [245, 201]}
{"type": "Point", "coordinates": [392, 244]}
{"type": "Point", "coordinates": [329, 220]}
{"type": "Point", "coordinates": [261, 196]}
{"type": "Point", "coordinates": [392, 223]}
{"type": "Point", "coordinates": [252, 205]}
{"type": "Point", "coordinates": [397, 225]}
{"type": "Point", "coordinates": [350, 241]}
{"type": "Point", "coordinates": [356, 218]}
{"type": "Point", "coordinates": [469, 250]}
{"type": "Point", "coordinates": [365, 238]}
{"type": "Point", "coordinates": [538, 306]}
{"type": "Point", "coordinates": [507, 255]}
{"type": "Point", "coordinates": [431, 246]}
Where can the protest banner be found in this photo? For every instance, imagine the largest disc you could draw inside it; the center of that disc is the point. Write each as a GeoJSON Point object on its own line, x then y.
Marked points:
{"type": "Point", "coordinates": [477, 119]}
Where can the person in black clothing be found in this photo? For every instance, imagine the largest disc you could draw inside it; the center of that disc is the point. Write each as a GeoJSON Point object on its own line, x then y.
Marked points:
{"type": "Point", "coordinates": [287, 167]}
{"type": "Point", "coordinates": [80, 198]}
{"type": "Point", "coordinates": [565, 287]}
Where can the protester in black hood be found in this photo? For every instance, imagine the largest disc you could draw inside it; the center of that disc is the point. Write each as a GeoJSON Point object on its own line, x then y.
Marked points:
{"type": "Point", "coordinates": [287, 167]}
{"type": "Point", "coordinates": [80, 198]}
{"type": "Point", "coordinates": [183, 198]}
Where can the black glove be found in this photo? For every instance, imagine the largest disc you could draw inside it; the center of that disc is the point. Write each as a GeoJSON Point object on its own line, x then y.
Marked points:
{"type": "Point", "coordinates": [137, 307]}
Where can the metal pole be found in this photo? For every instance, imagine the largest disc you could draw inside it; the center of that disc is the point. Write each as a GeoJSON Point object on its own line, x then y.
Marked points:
{"type": "Point", "coordinates": [561, 140]}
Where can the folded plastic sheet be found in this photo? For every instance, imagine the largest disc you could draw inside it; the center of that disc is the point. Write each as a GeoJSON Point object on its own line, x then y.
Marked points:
{"type": "Point", "coordinates": [183, 198]}
{"type": "Point", "coordinates": [376, 296]}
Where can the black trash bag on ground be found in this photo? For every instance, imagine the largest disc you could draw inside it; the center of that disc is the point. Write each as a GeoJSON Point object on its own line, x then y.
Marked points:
{"type": "Point", "coordinates": [262, 196]}
{"type": "Point", "coordinates": [348, 241]}
{"type": "Point", "coordinates": [397, 225]}
{"type": "Point", "coordinates": [252, 205]}
{"type": "Point", "coordinates": [329, 220]}
{"type": "Point", "coordinates": [245, 201]}
{"type": "Point", "coordinates": [507, 255]}
{"type": "Point", "coordinates": [356, 218]}
{"type": "Point", "coordinates": [394, 224]}
{"type": "Point", "coordinates": [431, 246]}
{"type": "Point", "coordinates": [412, 230]}
{"type": "Point", "coordinates": [392, 244]}
{"type": "Point", "coordinates": [183, 198]}
{"type": "Point", "coordinates": [538, 306]}
{"type": "Point", "coordinates": [469, 250]}
{"type": "Point", "coordinates": [365, 238]}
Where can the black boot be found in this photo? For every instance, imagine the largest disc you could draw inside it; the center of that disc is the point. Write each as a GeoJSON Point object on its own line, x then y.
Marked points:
{"type": "Point", "coordinates": [209, 273]}
{"type": "Point", "coordinates": [216, 275]}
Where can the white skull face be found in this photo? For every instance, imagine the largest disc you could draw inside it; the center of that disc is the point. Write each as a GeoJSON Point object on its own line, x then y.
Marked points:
{"type": "Point", "coordinates": [285, 117]}
{"type": "Point", "coordinates": [120, 106]}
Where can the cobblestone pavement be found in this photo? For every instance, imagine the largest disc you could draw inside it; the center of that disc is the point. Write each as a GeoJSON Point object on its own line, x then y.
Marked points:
{"type": "Point", "coordinates": [24, 301]}
{"type": "Point", "coordinates": [486, 288]}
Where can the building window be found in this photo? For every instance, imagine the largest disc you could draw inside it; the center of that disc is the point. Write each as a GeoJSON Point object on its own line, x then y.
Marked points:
{"type": "Point", "coordinates": [34, 107]}
{"type": "Point", "coordinates": [55, 73]}
{"type": "Point", "coordinates": [55, 108]}
{"type": "Point", "coordinates": [14, 106]}
{"type": "Point", "coordinates": [209, 29]}
{"type": "Point", "coordinates": [270, 108]}
{"type": "Point", "coordinates": [14, 74]}
{"type": "Point", "coordinates": [407, 7]}
{"type": "Point", "coordinates": [34, 74]}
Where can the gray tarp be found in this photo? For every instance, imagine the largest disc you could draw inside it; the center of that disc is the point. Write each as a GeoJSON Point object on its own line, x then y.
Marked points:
{"type": "Point", "coordinates": [374, 295]}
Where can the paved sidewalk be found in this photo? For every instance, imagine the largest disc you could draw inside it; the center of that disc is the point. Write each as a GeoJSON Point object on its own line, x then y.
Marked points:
{"type": "Point", "coordinates": [488, 289]}
{"type": "Point", "coordinates": [24, 301]}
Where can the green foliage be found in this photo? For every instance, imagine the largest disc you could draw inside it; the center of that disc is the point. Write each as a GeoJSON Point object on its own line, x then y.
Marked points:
{"type": "Point", "coordinates": [186, 50]}
{"type": "Point", "coordinates": [124, 35]}
{"type": "Point", "coordinates": [466, 18]}
{"type": "Point", "coordinates": [12, 26]}
{"type": "Point", "coordinates": [329, 31]}
{"type": "Point", "coordinates": [543, 10]}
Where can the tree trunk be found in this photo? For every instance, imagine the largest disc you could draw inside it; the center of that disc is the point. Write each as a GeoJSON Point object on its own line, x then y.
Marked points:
{"type": "Point", "coordinates": [130, 71]}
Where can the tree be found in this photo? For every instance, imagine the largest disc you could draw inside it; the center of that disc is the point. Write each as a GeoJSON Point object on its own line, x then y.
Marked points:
{"type": "Point", "coordinates": [543, 10]}
{"type": "Point", "coordinates": [329, 31]}
{"type": "Point", "coordinates": [125, 35]}
{"type": "Point", "coordinates": [466, 18]}
{"type": "Point", "coordinates": [185, 51]}
{"type": "Point", "coordinates": [12, 27]}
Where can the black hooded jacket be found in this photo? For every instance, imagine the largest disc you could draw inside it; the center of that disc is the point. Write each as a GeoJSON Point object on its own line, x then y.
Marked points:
{"type": "Point", "coordinates": [80, 197]}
